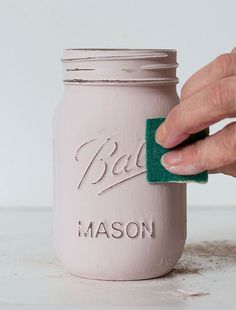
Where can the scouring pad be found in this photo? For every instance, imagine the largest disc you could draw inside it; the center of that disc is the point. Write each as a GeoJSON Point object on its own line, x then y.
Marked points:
{"type": "Point", "coordinates": [156, 173]}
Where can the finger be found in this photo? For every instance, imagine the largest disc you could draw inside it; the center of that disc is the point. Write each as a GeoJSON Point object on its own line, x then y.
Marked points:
{"type": "Point", "coordinates": [222, 67]}
{"type": "Point", "coordinates": [198, 112]}
{"type": "Point", "coordinates": [213, 152]}
{"type": "Point", "coordinates": [229, 170]}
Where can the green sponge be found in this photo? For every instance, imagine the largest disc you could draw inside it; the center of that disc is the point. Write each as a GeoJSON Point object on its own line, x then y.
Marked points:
{"type": "Point", "coordinates": [156, 173]}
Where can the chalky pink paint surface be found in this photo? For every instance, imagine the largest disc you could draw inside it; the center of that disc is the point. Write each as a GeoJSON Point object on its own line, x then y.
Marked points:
{"type": "Point", "coordinates": [138, 229]}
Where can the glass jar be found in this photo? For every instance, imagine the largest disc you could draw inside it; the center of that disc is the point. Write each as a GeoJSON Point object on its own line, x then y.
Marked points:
{"type": "Point", "coordinates": [109, 222]}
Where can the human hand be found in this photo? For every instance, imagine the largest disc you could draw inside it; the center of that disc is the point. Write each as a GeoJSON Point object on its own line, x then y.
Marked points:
{"type": "Point", "coordinates": [206, 98]}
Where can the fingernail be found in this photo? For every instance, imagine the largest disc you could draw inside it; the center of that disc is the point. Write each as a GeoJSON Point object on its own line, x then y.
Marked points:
{"type": "Point", "coordinates": [171, 158]}
{"type": "Point", "coordinates": [161, 134]}
{"type": "Point", "coordinates": [173, 162]}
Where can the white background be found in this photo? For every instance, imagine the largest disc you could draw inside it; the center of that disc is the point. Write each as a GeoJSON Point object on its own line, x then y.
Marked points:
{"type": "Point", "coordinates": [33, 34]}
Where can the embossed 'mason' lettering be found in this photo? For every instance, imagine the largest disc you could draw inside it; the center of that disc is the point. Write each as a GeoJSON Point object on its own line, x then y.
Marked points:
{"type": "Point", "coordinates": [106, 162]}
{"type": "Point", "coordinates": [117, 229]}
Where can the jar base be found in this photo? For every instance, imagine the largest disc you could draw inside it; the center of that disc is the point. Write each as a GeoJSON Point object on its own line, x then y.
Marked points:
{"type": "Point", "coordinates": [122, 279]}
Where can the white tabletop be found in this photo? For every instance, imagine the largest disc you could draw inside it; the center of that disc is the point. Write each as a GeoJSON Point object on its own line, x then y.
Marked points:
{"type": "Point", "coordinates": [31, 277]}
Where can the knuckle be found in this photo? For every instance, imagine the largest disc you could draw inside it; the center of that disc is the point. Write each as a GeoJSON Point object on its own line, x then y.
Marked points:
{"type": "Point", "coordinates": [229, 143]}
{"type": "Point", "coordinates": [222, 94]}
{"type": "Point", "coordinates": [223, 64]}
{"type": "Point", "coordinates": [200, 152]}
{"type": "Point", "coordinates": [225, 145]}
{"type": "Point", "coordinates": [194, 152]}
{"type": "Point", "coordinates": [222, 145]}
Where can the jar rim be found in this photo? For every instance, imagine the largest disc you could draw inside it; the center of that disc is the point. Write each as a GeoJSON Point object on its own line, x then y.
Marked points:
{"type": "Point", "coordinates": [80, 54]}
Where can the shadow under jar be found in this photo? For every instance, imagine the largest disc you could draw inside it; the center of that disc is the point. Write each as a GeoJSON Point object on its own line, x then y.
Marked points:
{"type": "Point", "coordinates": [109, 222]}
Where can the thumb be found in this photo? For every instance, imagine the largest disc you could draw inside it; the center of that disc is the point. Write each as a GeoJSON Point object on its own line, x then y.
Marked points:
{"type": "Point", "coordinates": [211, 153]}
{"type": "Point", "coordinates": [229, 170]}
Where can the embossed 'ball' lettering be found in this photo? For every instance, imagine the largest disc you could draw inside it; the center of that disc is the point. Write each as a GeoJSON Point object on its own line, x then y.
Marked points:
{"type": "Point", "coordinates": [106, 164]}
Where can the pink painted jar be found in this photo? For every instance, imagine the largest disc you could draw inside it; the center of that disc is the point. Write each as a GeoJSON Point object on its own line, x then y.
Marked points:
{"type": "Point", "coordinates": [109, 222]}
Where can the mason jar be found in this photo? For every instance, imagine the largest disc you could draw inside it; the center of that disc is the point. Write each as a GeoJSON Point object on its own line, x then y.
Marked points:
{"type": "Point", "coordinates": [109, 222]}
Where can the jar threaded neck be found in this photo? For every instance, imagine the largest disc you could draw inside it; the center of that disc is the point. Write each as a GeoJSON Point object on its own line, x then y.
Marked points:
{"type": "Point", "coordinates": [120, 66]}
